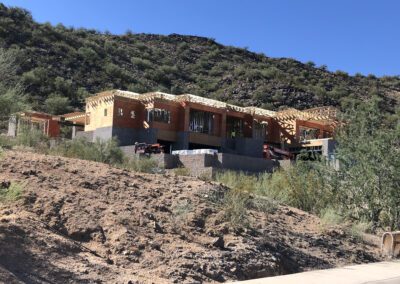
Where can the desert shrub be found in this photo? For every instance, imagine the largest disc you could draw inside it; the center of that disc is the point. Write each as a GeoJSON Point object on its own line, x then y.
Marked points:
{"type": "Point", "coordinates": [140, 164]}
{"type": "Point", "coordinates": [358, 229]}
{"type": "Point", "coordinates": [6, 142]}
{"type": "Point", "coordinates": [204, 176]}
{"type": "Point", "coordinates": [180, 214]}
{"type": "Point", "coordinates": [141, 64]}
{"type": "Point", "coordinates": [330, 217]}
{"type": "Point", "coordinates": [99, 151]}
{"type": "Point", "coordinates": [12, 192]}
{"type": "Point", "coordinates": [181, 171]}
{"type": "Point", "coordinates": [237, 180]}
{"type": "Point", "coordinates": [235, 205]}
{"type": "Point", "coordinates": [302, 185]}
{"type": "Point", "coordinates": [244, 193]}
{"type": "Point", "coordinates": [31, 137]}
{"type": "Point", "coordinates": [262, 204]}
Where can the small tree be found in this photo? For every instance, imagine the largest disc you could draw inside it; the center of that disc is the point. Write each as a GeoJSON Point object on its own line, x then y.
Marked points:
{"type": "Point", "coordinates": [369, 153]}
{"type": "Point", "coordinates": [12, 98]}
{"type": "Point", "coordinates": [56, 104]}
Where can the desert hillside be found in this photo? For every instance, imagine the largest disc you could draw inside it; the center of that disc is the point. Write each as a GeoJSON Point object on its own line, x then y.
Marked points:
{"type": "Point", "coordinates": [59, 66]}
{"type": "Point", "coordinates": [87, 222]}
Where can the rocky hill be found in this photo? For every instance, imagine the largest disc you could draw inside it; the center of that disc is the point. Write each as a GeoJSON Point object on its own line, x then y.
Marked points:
{"type": "Point", "coordinates": [80, 221]}
{"type": "Point", "coordinates": [57, 61]}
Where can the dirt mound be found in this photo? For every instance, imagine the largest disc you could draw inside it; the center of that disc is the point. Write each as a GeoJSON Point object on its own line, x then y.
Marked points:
{"type": "Point", "coordinates": [80, 221]}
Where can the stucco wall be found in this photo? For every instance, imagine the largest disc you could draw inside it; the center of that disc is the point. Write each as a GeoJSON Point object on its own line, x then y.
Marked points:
{"type": "Point", "coordinates": [95, 114]}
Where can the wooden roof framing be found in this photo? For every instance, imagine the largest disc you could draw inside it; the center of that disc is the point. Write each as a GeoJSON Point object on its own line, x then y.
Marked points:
{"type": "Point", "coordinates": [287, 116]}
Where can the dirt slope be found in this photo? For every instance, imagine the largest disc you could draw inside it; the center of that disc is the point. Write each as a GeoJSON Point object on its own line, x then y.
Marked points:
{"type": "Point", "coordinates": [87, 222]}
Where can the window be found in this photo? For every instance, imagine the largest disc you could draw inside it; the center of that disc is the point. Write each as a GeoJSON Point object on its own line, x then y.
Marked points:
{"type": "Point", "coordinates": [105, 112]}
{"type": "Point", "coordinates": [234, 127]}
{"type": "Point", "coordinates": [120, 112]}
{"type": "Point", "coordinates": [133, 115]}
{"type": "Point", "coordinates": [159, 115]}
{"type": "Point", "coordinates": [259, 130]}
{"type": "Point", "coordinates": [201, 121]}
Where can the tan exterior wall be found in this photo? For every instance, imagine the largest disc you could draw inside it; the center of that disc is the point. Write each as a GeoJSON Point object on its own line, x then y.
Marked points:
{"type": "Point", "coordinates": [95, 115]}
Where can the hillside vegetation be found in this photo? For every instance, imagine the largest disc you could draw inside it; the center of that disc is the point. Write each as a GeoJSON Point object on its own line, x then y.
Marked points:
{"type": "Point", "coordinates": [58, 66]}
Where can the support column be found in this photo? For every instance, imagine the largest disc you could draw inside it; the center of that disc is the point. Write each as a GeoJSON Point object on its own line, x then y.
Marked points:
{"type": "Point", "coordinates": [73, 132]}
{"type": "Point", "coordinates": [223, 125]}
{"type": "Point", "coordinates": [186, 118]}
{"type": "Point", "coordinates": [182, 142]}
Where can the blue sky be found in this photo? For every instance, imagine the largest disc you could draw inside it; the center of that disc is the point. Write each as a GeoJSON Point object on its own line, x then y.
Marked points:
{"type": "Point", "coordinates": [350, 35]}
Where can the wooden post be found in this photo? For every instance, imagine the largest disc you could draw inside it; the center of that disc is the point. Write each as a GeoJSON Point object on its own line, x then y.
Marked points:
{"type": "Point", "coordinates": [223, 124]}
{"type": "Point", "coordinates": [186, 118]}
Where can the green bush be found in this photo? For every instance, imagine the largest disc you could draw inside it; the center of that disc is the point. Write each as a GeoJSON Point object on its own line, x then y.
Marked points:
{"type": "Point", "coordinates": [235, 205]}
{"type": "Point", "coordinates": [31, 137]}
{"type": "Point", "coordinates": [368, 151]}
{"type": "Point", "coordinates": [302, 186]}
{"type": "Point", "coordinates": [12, 193]}
{"type": "Point", "coordinates": [99, 151]}
{"type": "Point", "coordinates": [57, 104]}
{"type": "Point", "coordinates": [140, 164]}
{"type": "Point", "coordinates": [262, 204]}
{"type": "Point", "coordinates": [6, 142]}
{"type": "Point", "coordinates": [237, 180]}
{"type": "Point", "coordinates": [358, 229]}
{"type": "Point", "coordinates": [330, 217]}
{"type": "Point", "coordinates": [181, 171]}
{"type": "Point", "coordinates": [245, 192]}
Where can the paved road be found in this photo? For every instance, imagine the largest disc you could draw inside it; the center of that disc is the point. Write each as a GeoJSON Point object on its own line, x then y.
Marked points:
{"type": "Point", "coordinates": [373, 273]}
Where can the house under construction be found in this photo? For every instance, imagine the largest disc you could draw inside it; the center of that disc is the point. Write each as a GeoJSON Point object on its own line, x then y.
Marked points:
{"type": "Point", "coordinates": [49, 125]}
{"type": "Point", "coordinates": [180, 122]}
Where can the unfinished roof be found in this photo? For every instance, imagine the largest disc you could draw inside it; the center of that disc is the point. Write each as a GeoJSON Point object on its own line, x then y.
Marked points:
{"type": "Point", "coordinates": [319, 113]}
{"type": "Point", "coordinates": [75, 117]}
{"type": "Point", "coordinates": [159, 95]}
{"type": "Point", "coordinates": [323, 112]}
{"type": "Point", "coordinates": [126, 94]}
{"type": "Point", "coordinates": [290, 114]}
{"type": "Point", "coordinates": [260, 111]}
{"type": "Point", "coordinates": [110, 94]}
{"type": "Point", "coordinates": [200, 100]}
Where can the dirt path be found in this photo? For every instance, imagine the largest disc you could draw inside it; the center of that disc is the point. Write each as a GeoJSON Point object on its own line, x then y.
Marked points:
{"type": "Point", "coordinates": [87, 222]}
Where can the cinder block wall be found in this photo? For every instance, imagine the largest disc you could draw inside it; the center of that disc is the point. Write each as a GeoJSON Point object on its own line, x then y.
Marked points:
{"type": "Point", "coordinates": [166, 161]}
{"type": "Point", "coordinates": [207, 164]}
{"type": "Point", "coordinates": [227, 161]}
